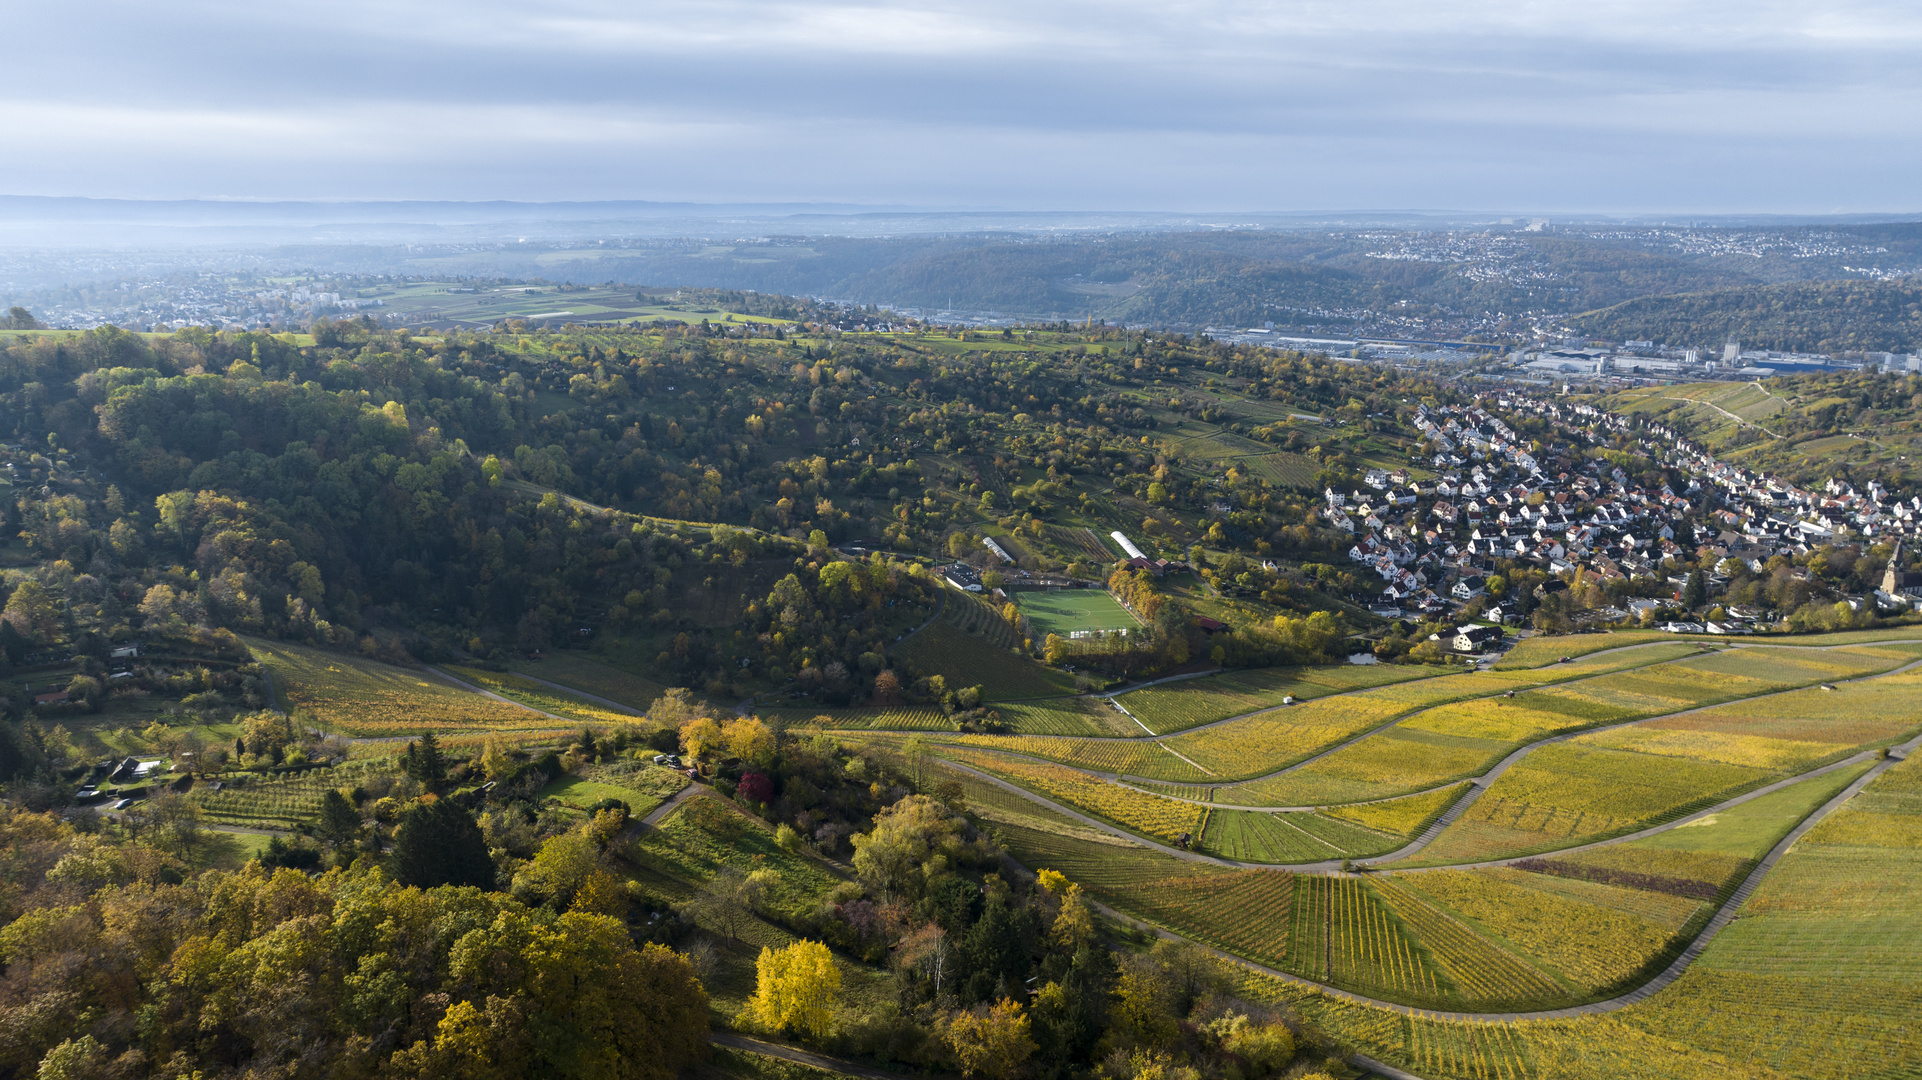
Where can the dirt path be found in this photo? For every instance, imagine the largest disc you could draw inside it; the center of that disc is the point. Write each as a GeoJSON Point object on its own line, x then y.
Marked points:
{"type": "Point", "coordinates": [1343, 693]}
{"type": "Point", "coordinates": [486, 693]}
{"type": "Point", "coordinates": [1725, 412]}
{"type": "Point", "coordinates": [582, 694]}
{"type": "Point", "coordinates": [1723, 916]}
{"type": "Point", "coordinates": [1125, 778]}
{"type": "Point", "coordinates": [803, 1057]}
{"type": "Point", "coordinates": [1483, 782]}
{"type": "Point", "coordinates": [659, 814]}
{"type": "Point", "coordinates": [1478, 785]}
{"type": "Point", "coordinates": [273, 699]}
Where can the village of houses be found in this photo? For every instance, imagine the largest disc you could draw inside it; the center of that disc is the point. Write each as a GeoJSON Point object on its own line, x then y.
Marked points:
{"type": "Point", "coordinates": [1496, 495]}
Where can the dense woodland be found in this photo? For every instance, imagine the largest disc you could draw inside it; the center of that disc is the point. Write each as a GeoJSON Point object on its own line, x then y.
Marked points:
{"type": "Point", "coordinates": [1825, 316]}
{"type": "Point", "coordinates": [435, 940]}
{"type": "Point", "coordinates": [375, 488]}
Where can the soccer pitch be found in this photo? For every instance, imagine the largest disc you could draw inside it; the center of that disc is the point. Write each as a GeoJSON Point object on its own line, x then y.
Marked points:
{"type": "Point", "coordinates": [1074, 609]}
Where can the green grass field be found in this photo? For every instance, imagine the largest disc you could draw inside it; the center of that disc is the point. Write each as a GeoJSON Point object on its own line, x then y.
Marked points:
{"type": "Point", "coordinates": [641, 787]}
{"type": "Point", "coordinates": [1072, 610]}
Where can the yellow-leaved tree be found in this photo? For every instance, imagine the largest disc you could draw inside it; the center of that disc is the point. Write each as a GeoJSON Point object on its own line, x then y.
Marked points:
{"type": "Point", "coordinates": [794, 989]}
{"type": "Point", "coordinates": [991, 1041]}
{"type": "Point", "coordinates": [1074, 927]}
{"type": "Point", "coordinates": [494, 760]}
{"type": "Point", "coordinates": [750, 740]}
{"type": "Point", "coordinates": [563, 996]}
{"type": "Point", "coordinates": [699, 735]}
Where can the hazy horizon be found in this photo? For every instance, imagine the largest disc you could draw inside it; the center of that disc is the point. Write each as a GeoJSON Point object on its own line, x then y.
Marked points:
{"type": "Point", "coordinates": [1631, 107]}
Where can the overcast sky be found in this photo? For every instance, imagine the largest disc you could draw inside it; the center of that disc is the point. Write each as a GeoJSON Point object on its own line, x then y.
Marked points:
{"type": "Point", "coordinates": [1608, 105]}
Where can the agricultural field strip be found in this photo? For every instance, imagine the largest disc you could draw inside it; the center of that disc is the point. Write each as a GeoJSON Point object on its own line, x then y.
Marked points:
{"type": "Point", "coordinates": [1124, 711]}
{"type": "Point", "coordinates": [1483, 782]}
{"type": "Point", "coordinates": [1893, 634]}
{"type": "Point", "coordinates": [1788, 781]}
{"type": "Point", "coordinates": [1111, 695]}
{"type": "Point", "coordinates": [306, 682]}
{"type": "Point", "coordinates": [1230, 685]}
{"type": "Point", "coordinates": [486, 693]}
{"type": "Point", "coordinates": [1278, 809]}
{"type": "Point", "coordinates": [579, 693]}
{"type": "Point", "coordinates": [1476, 788]}
{"type": "Point", "coordinates": [1384, 725]}
{"type": "Point", "coordinates": [1479, 781]}
{"type": "Point", "coordinates": [1380, 727]}
{"type": "Point", "coordinates": [1104, 826]}
{"type": "Point", "coordinates": [1118, 823]}
{"type": "Point", "coordinates": [1722, 917]}
{"type": "Point", "coordinates": [1427, 835]}
{"type": "Point", "coordinates": [1176, 753]}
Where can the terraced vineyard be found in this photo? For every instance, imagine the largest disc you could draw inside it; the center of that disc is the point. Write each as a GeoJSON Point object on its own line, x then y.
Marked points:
{"type": "Point", "coordinates": [593, 677]}
{"type": "Point", "coordinates": [904, 718]}
{"type": "Point", "coordinates": [1403, 817]}
{"type": "Point", "coordinates": [948, 649]}
{"type": "Point", "coordinates": [1178, 706]}
{"type": "Point", "coordinates": [1614, 781]}
{"type": "Point", "coordinates": [1259, 836]}
{"type": "Point", "coordinates": [1563, 915]}
{"type": "Point", "coordinates": [1540, 651]}
{"type": "Point", "coordinates": [1565, 794]}
{"type": "Point", "coordinates": [1150, 815]}
{"type": "Point", "coordinates": [1133, 757]}
{"type": "Point", "coordinates": [1067, 716]}
{"type": "Point", "coordinates": [1811, 953]}
{"type": "Point", "coordinates": [1275, 738]}
{"type": "Point", "coordinates": [1381, 766]}
{"type": "Point", "coordinates": [536, 695]}
{"type": "Point", "coordinates": [365, 698]}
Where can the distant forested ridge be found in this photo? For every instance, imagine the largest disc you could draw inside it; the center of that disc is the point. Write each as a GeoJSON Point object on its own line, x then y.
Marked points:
{"type": "Point", "coordinates": [1814, 316]}
{"type": "Point", "coordinates": [1174, 280]}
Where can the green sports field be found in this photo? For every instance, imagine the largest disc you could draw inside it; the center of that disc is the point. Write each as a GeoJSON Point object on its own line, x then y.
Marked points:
{"type": "Point", "coordinates": [1070, 610]}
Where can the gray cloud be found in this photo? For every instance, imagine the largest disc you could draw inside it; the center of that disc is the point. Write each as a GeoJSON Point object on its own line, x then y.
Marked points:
{"type": "Point", "coordinates": [1638, 105]}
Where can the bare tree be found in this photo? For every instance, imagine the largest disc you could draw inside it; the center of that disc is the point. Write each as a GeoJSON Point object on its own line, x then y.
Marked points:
{"type": "Point", "coordinates": [729, 899]}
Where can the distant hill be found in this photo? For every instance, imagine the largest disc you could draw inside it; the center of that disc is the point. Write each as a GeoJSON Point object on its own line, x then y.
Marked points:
{"type": "Point", "coordinates": [1825, 316]}
{"type": "Point", "coordinates": [1182, 280]}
